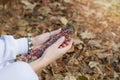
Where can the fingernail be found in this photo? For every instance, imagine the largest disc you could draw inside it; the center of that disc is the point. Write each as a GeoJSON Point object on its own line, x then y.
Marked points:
{"type": "Point", "coordinates": [59, 29]}
{"type": "Point", "coordinates": [63, 37]}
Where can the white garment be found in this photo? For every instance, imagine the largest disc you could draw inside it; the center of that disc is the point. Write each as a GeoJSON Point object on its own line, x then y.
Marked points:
{"type": "Point", "coordinates": [10, 70]}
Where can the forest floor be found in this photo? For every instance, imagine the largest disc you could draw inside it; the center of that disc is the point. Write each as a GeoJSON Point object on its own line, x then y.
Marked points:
{"type": "Point", "coordinates": [95, 54]}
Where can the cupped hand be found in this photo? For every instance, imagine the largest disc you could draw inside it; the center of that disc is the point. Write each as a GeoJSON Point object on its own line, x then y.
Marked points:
{"type": "Point", "coordinates": [52, 53]}
{"type": "Point", "coordinates": [56, 50]}
{"type": "Point", "coordinates": [39, 40]}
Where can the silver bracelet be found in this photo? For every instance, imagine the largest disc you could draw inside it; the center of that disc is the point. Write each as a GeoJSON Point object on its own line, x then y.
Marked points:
{"type": "Point", "coordinates": [30, 45]}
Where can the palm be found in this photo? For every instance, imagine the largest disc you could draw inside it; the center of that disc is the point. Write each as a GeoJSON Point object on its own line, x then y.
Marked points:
{"type": "Point", "coordinates": [38, 41]}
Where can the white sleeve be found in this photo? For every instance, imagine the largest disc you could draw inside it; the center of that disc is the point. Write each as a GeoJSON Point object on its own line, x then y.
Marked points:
{"type": "Point", "coordinates": [18, 71]}
{"type": "Point", "coordinates": [10, 47]}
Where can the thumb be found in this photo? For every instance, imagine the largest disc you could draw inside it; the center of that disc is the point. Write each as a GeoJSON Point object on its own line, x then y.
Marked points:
{"type": "Point", "coordinates": [59, 41]}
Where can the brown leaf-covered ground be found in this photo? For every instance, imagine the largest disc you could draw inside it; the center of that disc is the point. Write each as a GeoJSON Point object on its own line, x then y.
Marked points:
{"type": "Point", "coordinates": [95, 54]}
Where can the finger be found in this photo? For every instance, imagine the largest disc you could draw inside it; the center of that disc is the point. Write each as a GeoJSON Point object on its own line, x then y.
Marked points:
{"type": "Point", "coordinates": [46, 36]}
{"type": "Point", "coordinates": [60, 47]}
{"type": "Point", "coordinates": [59, 41]}
{"type": "Point", "coordinates": [66, 43]}
{"type": "Point", "coordinates": [63, 45]}
{"type": "Point", "coordinates": [65, 49]}
{"type": "Point", "coordinates": [55, 32]}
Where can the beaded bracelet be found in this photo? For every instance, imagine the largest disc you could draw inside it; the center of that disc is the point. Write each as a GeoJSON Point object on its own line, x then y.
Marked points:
{"type": "Point", "coordinates": [30, 45]}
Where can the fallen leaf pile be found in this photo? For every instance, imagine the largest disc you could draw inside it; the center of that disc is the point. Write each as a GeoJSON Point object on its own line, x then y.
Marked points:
{"type": "Point", "coordinates": [95, 54]}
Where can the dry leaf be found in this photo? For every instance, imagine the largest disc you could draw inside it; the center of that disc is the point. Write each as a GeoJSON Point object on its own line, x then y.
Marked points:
{"type": "Point", "coordinates": [28, 4]}
{"type": "Point", "coordinates": [21, 23]}
{"type": "Point", "coordinates": [69, 76]}
{"type": "Point", "coordinates": [93, 64]}
{"type": "Point", "coordinates": [95, 43]}
{"type": "Point", "coordinates": [71, 50]}
{"type": "Point", "coordinates": [58, 77]}
{"type": "Point", "coordinates": [82, 77]}
{"type": "Point", "coordinates": [104, 55]}
{"type": "Point", "coordinates": [77, 41]}
{"type": "Point", "coordinates": [115, 46]}
{"type": "Point", "coordinates": [87, 35]}
{"type": "Point", "coordinates": [68, 1]}
{"type": "Point", "coordinates": [64, 20]}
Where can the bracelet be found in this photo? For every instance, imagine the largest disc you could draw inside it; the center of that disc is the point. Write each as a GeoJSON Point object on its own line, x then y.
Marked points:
{"type": "Point", "coordinates": [30, 45]}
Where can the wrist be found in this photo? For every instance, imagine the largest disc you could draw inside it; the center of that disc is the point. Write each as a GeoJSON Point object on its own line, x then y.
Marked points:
{"type": "Point", "coordinates": [35, 43]}
{"type": "Point", "coordinates": [42, 62]}
{"type": "Point", "coordinates": [38, 65]}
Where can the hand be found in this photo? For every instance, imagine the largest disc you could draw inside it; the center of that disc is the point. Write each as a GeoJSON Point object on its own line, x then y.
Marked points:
{"type": "Point", "coordinates": [57, 50]}
{"type": "Point", "coordinates": [52, 53]}
{"type": "Point", "coordinates": [39, 40]}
